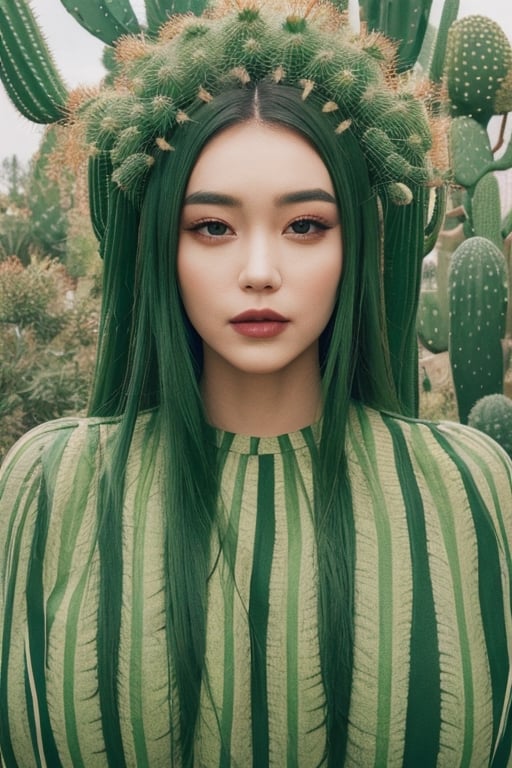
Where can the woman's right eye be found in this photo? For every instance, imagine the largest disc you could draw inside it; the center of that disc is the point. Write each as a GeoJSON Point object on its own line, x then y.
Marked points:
{"type": "Point", "coordinates": [212, 228]}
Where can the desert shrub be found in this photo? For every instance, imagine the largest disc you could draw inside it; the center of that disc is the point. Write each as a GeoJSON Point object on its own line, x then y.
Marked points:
{"type": "Point", "coordinates": [47, 347]}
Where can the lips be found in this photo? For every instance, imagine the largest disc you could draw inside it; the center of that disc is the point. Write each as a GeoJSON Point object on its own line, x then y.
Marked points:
{"type": "Point", "coordinates": [259, 323]}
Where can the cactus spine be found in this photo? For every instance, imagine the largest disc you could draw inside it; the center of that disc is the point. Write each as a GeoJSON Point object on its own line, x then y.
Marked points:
{"type": "Point", "coordinates": [478, 302]}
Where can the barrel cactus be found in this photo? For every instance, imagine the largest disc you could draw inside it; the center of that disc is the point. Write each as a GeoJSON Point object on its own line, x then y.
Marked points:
{"type": "Point", "coordinates": [493, 415]}
{"type": "Point", "coordinates": [478, 302]}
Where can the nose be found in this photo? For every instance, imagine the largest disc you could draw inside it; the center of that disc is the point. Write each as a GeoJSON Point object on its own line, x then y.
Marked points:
{"type": "Point", "coordinates": [260, 270]}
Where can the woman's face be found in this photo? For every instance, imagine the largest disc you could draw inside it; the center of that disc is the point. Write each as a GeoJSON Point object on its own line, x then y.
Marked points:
{"type": "Point", "coordinates": [260, 253]}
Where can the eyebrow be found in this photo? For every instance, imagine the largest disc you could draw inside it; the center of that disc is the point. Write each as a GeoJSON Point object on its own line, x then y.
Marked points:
{"type": "Point", "coordinates": [218, 198]}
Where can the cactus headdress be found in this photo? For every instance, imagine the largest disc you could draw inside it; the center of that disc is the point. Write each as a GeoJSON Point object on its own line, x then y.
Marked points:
{"type": "Point", "coordinates": [352, 77]}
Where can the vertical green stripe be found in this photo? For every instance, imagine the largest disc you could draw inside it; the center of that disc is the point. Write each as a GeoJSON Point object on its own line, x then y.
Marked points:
{"type": "Point", "coordinates": [291, 474]}
{"type": "Point", "coordinates": [36, 630]}
{"type": "Point", "coordinates": [228, 585]}
{"type": "Point", "coordinates": [368, 461]}
{"type": "Point", "coordinates": [5, 736]}
{"type": "Point", "coordinates": [36, 609]}
{"type": "Point", "coordinates": [80, 489]}
{"type": "Point", "coordinates": [424, 698]}
{"type": "Point", "coordinates": [136, 683]}
{"type": "Point", "coordinates": [259, 608]}
{"type": "Point", "coordinates": [490, 586]}
{"type": "Point", "coordinates": [431, 470]}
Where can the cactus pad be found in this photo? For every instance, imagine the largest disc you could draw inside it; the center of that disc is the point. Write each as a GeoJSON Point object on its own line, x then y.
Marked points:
{"type": "Point", "coordinates": [478, 68]}
{"type": "Point", "coordinates": [478, 302]}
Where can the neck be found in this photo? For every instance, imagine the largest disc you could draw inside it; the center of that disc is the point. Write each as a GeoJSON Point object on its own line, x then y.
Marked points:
{"type": "Point", "coordinates": [262, 405]}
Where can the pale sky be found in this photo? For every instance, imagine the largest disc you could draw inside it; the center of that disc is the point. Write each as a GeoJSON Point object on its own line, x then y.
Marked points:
{"type": "Point", "coordinates": [78, 54]}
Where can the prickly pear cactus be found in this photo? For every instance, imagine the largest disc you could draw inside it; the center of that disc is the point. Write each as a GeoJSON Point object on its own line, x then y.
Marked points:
{"type": "Point", "coordinates": [478, 303]}
{"type": "Point", "coordinates": [493, 415]}
{"type": "Point", "coordinates": [478, 69]}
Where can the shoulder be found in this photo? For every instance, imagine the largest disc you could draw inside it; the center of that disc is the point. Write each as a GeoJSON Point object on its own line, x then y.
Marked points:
{"type": "Point", "coordinates": [459, 442]}
{"type": "Point", "coordinates": [449, 458]}
{"type": "Point", "coordinates": [56, 449]}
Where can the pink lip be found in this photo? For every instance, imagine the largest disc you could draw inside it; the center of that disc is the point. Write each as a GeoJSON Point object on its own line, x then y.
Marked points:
{"type": "Point", "coordinates": [259, 323]}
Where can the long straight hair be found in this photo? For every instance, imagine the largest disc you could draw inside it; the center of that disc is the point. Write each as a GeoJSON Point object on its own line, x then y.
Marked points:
{"type": "Point", "coordinates": [159, 364]}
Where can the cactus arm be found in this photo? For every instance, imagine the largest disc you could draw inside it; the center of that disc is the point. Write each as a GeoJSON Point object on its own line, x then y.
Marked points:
{"type": "Point", "coordinates": [27, 69]}
{"type": "Point", "coordinates": [402, 279]}
{"type": "Point", "coordinates": [486, 209]}
{"type": "Point", "coordinates": [158, 11]}
{"type": "Point", "coordinates": [448, 16]}
{"type": "Point", "coordinates": [470, 150]}
{"type": "Point", "coordinates": [406, 23]}
{"type": "Point", "coordinates": [105, 19]}
{"type": "Point", "coordinates": [435, 223]}
{"type": "Point", "coordinates": [100, 171]}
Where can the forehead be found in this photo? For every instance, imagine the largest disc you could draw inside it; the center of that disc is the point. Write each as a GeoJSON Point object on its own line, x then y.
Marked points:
{"type": "Point", "coordinates": [255, 152]}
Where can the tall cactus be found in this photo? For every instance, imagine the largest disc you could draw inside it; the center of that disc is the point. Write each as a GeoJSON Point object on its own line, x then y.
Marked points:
{"type": "Point", "coordinates": [406, 23]}
{"type": "Point", "coordinates": [478, 304]}
{"type": "Point", "coordinates": [27, 68]}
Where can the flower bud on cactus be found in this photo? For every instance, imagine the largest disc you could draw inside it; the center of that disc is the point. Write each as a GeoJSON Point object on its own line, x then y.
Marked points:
{"type": "Point", "coordinates": [493, 415]}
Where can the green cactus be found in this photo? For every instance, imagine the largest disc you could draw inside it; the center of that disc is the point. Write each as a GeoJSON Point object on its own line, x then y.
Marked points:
{"type": "Point", "coordinates": [493, 415]}
{"type": "Point", "coordinates": [107, 21]}
{"type": "Point", "coordinates": [406, 23]}
{"type": "Point", "coordinates": [27, 68]}
{"type": "Point", "coordinates": [478, 302]}
{"type": "Point", "coordinates": [478, 69]}
{"type": "Point", "coordinates": [432, 321]}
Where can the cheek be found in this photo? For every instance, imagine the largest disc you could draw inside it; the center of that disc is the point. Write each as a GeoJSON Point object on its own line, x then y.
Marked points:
{"type": "Point", "coordinates": [324, 286]}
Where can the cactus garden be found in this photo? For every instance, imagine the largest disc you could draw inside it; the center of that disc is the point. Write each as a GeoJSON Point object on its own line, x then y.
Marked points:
{"type": "Point", "coordinates": [447, 299]}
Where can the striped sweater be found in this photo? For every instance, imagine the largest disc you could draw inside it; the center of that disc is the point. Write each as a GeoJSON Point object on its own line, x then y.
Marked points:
{"type": "Point", "coordinates": [432, 674]}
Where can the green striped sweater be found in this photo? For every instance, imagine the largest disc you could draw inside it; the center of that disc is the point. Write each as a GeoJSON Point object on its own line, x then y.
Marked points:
{"type": "Point", "coordinates": [432, 672]}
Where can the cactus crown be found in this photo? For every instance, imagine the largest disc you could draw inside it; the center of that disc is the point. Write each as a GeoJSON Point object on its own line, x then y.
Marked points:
{"type": "Point", "coordinates": [239, 44]}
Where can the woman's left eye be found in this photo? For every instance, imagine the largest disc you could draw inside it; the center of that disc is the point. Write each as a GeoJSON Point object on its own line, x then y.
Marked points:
{"type": "Point", "coordinates": [307, 227]}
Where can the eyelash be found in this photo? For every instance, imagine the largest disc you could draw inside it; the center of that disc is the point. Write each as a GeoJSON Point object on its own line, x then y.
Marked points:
{"type": "Point", "coordinates": [321, 226]}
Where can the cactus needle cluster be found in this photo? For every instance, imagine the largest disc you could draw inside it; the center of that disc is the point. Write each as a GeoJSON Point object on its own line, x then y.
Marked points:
{"type": "Point", "coordinates": [352, 78]}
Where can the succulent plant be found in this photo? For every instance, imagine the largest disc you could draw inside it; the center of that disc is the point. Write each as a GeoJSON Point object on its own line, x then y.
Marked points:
{"type": "Point", "coordinates": [478, 69]}
{"type": "Point", "coordinates": [478, 303]}
{"type": "Point", "coordinates": [493, 415]}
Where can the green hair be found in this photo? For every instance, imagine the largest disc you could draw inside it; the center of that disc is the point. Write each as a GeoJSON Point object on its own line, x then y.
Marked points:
{"type": "Point", "coordinates": [149, 356]}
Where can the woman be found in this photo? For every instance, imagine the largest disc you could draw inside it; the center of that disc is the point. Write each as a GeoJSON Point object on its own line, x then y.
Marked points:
{"type": "Point", "coordinates": [242, 557]}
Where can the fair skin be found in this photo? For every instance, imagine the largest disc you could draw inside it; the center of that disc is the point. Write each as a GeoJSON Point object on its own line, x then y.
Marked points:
{"type": "Point", "coordinates": [259, 263]}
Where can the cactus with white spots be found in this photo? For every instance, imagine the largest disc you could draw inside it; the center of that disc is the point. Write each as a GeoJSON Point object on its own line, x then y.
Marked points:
{"type": "Point", "coordinates": [493, 415]}
{"type": "Point", "coordinates": [478, 305]}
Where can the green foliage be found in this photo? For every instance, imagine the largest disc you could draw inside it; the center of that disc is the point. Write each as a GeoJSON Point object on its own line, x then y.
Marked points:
{"type": "Point", "coordinates": [48, 201]}
{"type": "Point", "coordinates": [47, 347]}
{"type": "Point", "coordinates": [13, 175]}
{"type": "Point", "coordinates": [15, 234]}
{"type": "Point", "coordinates": [478, 303]}
{"type": "Point", "coordinates": [29, 296]}
{"type": "Point", "coordinates": [493, 415]}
